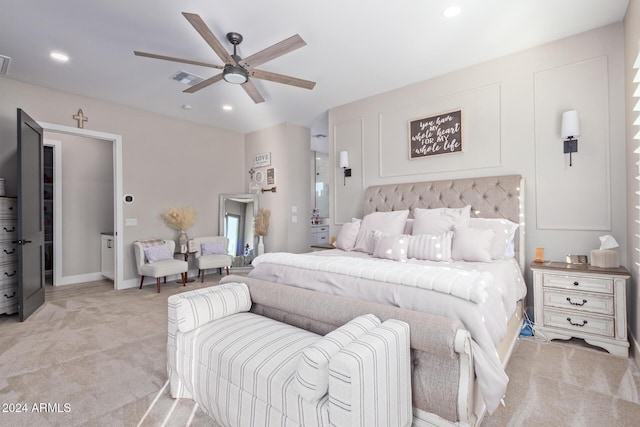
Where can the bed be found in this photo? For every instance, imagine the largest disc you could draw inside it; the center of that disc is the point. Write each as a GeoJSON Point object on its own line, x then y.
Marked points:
{"type": "Point", "coordinates": [485, 294]}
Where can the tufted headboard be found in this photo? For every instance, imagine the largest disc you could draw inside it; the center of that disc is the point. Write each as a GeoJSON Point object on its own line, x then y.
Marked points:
{"type": "Point", "coordinates": [489, 197]}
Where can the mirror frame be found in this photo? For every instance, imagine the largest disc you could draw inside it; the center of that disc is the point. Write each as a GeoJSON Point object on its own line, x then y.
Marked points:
{"type": "Point", "coordinates": [222, 211]}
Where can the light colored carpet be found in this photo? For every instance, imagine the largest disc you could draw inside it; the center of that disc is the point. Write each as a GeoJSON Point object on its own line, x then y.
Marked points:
{"type": "Point", "coordinates": [96, 356]}
{"type": "Point", "coordinates": [102, 353]}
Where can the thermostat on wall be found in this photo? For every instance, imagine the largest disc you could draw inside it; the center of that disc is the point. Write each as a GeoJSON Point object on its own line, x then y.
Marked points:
{"type": "Point", "coordinates": [128, 198]}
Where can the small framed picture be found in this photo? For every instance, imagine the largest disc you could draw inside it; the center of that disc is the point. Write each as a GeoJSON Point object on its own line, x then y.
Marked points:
{"type": "Point", "coordinates": [191, 245]}
{"type": "Point", "coordinates": [271, 176]}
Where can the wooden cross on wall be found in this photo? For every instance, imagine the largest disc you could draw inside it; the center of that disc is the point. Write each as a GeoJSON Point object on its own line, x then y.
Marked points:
{"type": "Point", "coordinates": [81, 118]}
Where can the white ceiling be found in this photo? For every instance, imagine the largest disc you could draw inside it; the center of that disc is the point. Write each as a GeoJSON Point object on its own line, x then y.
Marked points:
{"type": "Point", "coordinates": [354, 48]}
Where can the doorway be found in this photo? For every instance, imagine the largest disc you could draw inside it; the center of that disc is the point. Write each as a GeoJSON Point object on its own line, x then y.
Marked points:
{"type": "Point", "coordinates": [116, 143]}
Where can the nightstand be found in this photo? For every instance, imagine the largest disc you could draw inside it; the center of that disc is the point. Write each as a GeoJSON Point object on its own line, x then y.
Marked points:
{"type": "Point", "coordinates": [583, 302]}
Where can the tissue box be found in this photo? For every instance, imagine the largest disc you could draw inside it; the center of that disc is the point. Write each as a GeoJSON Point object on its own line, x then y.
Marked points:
{"type": "Point", "coordinates": [604, 258]}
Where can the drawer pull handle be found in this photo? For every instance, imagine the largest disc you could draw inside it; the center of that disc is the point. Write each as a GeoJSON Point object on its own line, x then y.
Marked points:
{"type": "Point", "coordinates": [584, 322]}
{"type": "Point", "coordinates": [13, 251]}
{"type": "Point", "coordinates": [10, 208]}
{"type": "Point", "coordinates": [9, 231]}
{"type": "Point", "coordinates": [576, 284]}
{"type": "Point", "coordinates": [10, 296]}
{"type": "Point", "coordinates": [10, 275]}
{"type": "Point", "coordinates": [584, 301]}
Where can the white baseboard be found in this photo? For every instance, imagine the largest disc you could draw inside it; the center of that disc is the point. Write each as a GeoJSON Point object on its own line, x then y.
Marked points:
{"type": "Point", "coordinates": [79, 278]}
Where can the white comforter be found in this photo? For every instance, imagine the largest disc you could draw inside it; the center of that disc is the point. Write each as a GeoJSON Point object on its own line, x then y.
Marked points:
{"type": "Point", "coordinates": [486, 319]}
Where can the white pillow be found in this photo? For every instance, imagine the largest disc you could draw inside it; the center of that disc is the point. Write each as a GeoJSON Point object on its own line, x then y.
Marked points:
{"type": "Point", "coordinates": [432, 247]}
{"type": "Point", "coordinates": [390, 246]}
{"type": "Point", "coordinates": [386, 222]}
{"type": "Point", "coordinates": [213, 248]}
{"type": "Point", "coordinates": [312, 375]}
{"type": "Point", "coordinates": [227, 299]}
{"type": "Point", "coordinates": [505, 232]}
{"type": "Point", "coordinates": [158, 253]}
{"type": "Point", "coordinates": [347, 236]}
{"type": "Point", "coordinates": [408, 226]}
{"type": "Point", "coordinates": [472, 244]}
{"type": "Point", "coordinates": [424, 219]}
{"type": "Point", "coordinates": [432, 224]}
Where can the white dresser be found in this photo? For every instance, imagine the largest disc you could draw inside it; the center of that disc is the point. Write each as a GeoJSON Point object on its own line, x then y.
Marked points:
{"type": "Point", "coordinates": [319, 234]}
{"type": "Point", "coordinates": [8, 255]}
{"type": "Point", "coordinates": [583, 302]}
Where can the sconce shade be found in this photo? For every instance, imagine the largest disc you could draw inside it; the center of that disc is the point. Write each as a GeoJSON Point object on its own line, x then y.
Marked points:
{"type": "Point", "coordinates": [344, 159]}
{"type": "Point", "coordinates": [570, 124]}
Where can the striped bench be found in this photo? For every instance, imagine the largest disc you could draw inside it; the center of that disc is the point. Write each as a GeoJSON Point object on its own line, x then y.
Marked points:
{"type": "Point", "coordinates": [248, 370]}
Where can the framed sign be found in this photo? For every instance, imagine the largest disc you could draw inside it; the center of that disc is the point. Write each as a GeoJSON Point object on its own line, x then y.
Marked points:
{"type": "Point", "coordinates": [263, 159]}
{"type": "Point", "coordinates": [271, 176]}
{"type": "Point", "coordinates": [433, 135]}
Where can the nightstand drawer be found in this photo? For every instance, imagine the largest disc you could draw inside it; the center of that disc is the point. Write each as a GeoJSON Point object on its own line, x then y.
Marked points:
{"type": "Point", "coordinates": [580, 302]}
{"type": "Point", "coordinates": [579, 322]}
{"type": "Point", "coordinates": [578, 283]}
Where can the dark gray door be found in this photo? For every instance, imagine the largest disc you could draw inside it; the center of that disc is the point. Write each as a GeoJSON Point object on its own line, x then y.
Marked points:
{"type": "Point", "coordinates": [30, 216]}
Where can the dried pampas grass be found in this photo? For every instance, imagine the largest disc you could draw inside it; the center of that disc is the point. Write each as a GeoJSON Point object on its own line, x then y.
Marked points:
{"type": "Point", "coordinates": [261, 222]}
{"type": "Point", "coordinates": [180, 218]}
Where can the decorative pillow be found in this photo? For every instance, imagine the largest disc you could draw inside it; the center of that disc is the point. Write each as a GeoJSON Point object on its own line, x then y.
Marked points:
{"type": "Point", "coordinates": [227, 299]}
{"type": "Point", "coordinates": [432, 247]}
{"type": "Point", "coordinates": [505, 231]}
{"type": "Point", "coordinates": [158, 253]}
{"type": "Point", "coordinates": [386, 222]}
{"type": "Point", "coordinates": [408, 227]}
{"type": "Point", "coordinates": [472, 244]}
{"type": "Point", "coordinates": [212, 248]}
{"type": "Point", "coordinates": [427, 221]}
{"type": "Point", "coordinates": [312, 376]}
{"type": "Point", "coordinates": [432, 224]}
{"type": "Point", "coordinates": [347, 236]}
{"type": "Point", "coordinates": [390, 246]}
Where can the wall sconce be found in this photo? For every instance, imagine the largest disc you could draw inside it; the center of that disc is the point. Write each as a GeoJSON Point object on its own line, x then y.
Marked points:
{"type": "Point", "coordinates": [344, 164]}
{"type": "Point", "coordinates": [570, 130]}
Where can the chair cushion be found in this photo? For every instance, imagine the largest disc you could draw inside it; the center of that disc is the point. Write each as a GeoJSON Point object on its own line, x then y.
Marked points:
{"type": "Point", "coordinates": [214, 261]}
{"type": "Point", "coordinates": [164, 268]}
{"type": "Point", "coordinates": [158, 253]}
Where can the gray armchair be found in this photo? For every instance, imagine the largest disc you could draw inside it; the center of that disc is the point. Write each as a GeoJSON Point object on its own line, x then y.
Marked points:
{"type": "Point", "coordinates": [214, 254]}
{"type": "Point", "coordinates": [161, 265]}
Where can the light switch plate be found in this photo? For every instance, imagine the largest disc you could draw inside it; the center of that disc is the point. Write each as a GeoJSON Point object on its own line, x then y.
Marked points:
{"type": "Point", "coordinates": [131, 222]}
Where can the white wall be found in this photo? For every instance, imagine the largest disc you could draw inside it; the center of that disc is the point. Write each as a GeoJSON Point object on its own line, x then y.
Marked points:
{"type": "Point", "coordinates": [289, 148]}
{"type": "Point", "coordinates": [166, 162]}
{"type": "Point", "coordinates": [511, 125]}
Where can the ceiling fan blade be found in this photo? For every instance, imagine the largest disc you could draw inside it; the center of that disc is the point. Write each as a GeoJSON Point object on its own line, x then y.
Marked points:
{"type": "Point", "coordinates": [204, 83]}
{"type": "Point", "coordinates": [209, 37]}
{"type": "Point", "coordinates": [174, 59]}
{"type": "Point", "coordinates": [252, 91]}
{"type": "Point", "coordinates": [274, 51]}
{"type": "Point", "coordinates": [281, 78]}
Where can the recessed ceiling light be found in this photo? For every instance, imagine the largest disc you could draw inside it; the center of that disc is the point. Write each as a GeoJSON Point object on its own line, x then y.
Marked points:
{"type": "Point", "coordinates": [451, 11]}
{"type": "Point", "coordinates": [59, 56]}
{"type": "Point", "coordinates": [227, 107]}
{"type": "Point", "coordinates": [186, 107]}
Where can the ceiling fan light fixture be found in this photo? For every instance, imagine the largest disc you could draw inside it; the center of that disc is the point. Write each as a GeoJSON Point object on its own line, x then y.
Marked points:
{"type": "Point", "coordinates": [235, 74]}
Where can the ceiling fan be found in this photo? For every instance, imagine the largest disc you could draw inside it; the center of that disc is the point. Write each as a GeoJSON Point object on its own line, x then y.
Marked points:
{"type": "Point", "coordinates": [238, 70]}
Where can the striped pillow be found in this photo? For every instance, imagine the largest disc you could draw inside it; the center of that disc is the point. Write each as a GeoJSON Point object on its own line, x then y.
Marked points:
{"type": "Point", "coordinates": [195, 311]}
{"type": "Point", "coordinates": [312, 376]}
{"type": "Point", "coordinates": [432, 247]}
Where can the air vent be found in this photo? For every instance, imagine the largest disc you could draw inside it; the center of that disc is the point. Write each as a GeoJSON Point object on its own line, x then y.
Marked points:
{"type": "Point", "coordinates": [4, 64]}
{"type": "Point", "coordinates": [186, 78]}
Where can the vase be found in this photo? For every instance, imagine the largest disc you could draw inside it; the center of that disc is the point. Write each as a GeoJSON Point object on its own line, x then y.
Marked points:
{"type": "Point", "coordinates": [260, 245]}
{"type": "Point", "coordinates": [182, 241]}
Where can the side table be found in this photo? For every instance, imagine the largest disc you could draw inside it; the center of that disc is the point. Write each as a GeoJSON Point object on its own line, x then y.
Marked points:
{"type": "Point", "coordinates": [582, 301]}
{"type": "Point", "coordinates": [186, 258]}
